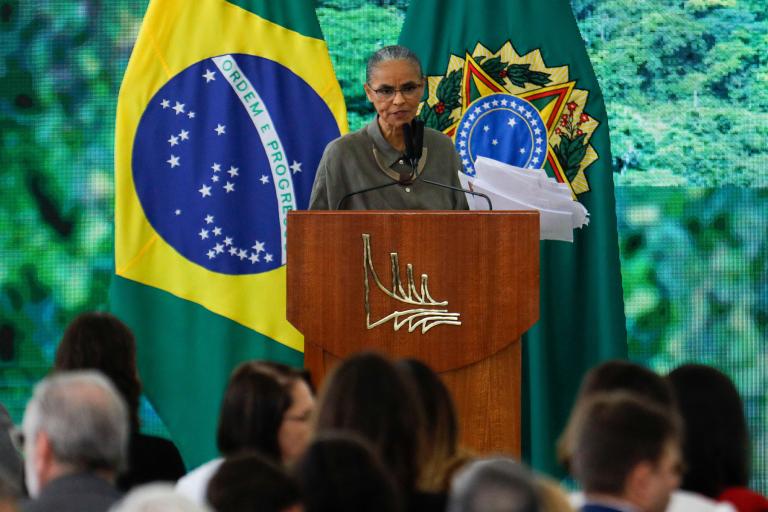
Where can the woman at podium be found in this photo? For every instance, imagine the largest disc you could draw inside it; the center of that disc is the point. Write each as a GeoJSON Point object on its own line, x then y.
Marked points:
{"type": "Point", "coordinates": [388, 164]}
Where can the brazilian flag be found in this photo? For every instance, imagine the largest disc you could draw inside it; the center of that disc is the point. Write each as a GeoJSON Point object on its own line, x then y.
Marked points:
{"type": "Point", "coordinates": [474, 54]}
{"type": "Point", "coordinates": [223, 115]}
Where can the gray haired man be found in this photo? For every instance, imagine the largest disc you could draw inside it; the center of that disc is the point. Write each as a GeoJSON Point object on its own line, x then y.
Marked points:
{"type": "Point", "coordinates": [75, 440]}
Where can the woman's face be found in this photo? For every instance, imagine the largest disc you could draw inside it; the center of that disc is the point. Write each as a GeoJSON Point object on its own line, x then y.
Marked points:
{"type": "Point", "coordinates": [395, 89]}
{"type": "Point", "coordinates": [294, 432]}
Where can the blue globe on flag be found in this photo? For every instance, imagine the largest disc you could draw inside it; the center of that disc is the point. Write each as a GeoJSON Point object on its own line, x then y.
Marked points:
{"type": "Point", "coordinates": [502, 127]}
{"type": "Point", "coordinates": [223, 151]}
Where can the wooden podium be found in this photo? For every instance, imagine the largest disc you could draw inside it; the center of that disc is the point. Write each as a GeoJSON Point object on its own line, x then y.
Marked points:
{"type": "Point", "coordinates": [454, 289]}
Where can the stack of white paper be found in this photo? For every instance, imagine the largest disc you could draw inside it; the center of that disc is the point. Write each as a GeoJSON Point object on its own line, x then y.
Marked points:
{"type": "Point", "coordinates": [516, 188]}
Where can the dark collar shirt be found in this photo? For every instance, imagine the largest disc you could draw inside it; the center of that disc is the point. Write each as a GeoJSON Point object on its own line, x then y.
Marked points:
{"type": "Point", "coordinates": [365, 159]}
{"type": "Point", "coordinates": [80, 492]}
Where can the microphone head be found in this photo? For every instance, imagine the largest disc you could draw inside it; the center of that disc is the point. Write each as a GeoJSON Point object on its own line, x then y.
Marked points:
{"type": "Point", "coordinates": [408, 139]}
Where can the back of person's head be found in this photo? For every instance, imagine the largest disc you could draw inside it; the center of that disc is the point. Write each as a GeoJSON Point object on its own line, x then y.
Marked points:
{"type": "Point", "coordinates": [620, 375]}
{"type": "Point", "coordinates": [366, 394]}
{"type": "Point", "coordinates": [340, 473]}
{"type": "Point", "coordinates": [716, 445]}
{"type": "Point", "coordinates": [615, 432]}
{"type": "Point", "coordinates": [441, 426]}
{"type": "Point", "coordinates": [157, 497]}
{"type": "Point", "coordinates": [617, 375]}
{"type": "Point", "coordinates": [100, 341]}
{"type": "Point", "coordinates": [251, 482]}
{"type": "Point", "coordinates": [252, 410]}
{"type": "Point", "coordinates": [84, 419]}
{"type": "Point", "coordinates": [493, 485]}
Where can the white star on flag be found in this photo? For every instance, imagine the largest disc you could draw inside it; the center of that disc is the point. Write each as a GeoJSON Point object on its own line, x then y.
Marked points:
{"type": "Point", "coordinates": [528, 114]}
{"type": "Point", "coordinates": [205, 190]}
{"type": "Point", "coordinates": [216, 167]}
{"type": "Point", "coordinates": [218, 248]}
{"type": "Point", "coordinates": [472, 117]}
{"type": "Point", "coordinates": [264, 179]}
{"type": "Point", "coordinates": [254, 258]}
{"type": "Point", "coordinates": [174, 161]}
{"type": "Point", "coordinates": [242, 254]}
{"type": "Point", "coordinates": [486, 128]}
{"type": "Point", "coordinates": [217, 231]}
{"type": "Point", "coordinates": [494, 141]}
{"type": "Point", "coordinates": [495, 103]}
{"type": "Point", "coordinates": [191, 115]}
{"type": "Point", "coordinates": [209, 75]}
{"type": "Point", "coordinates": [228, 241]}
{"type": "Point", "coordinates": [537, 131]}
{"type": "Point", "coordinates": [177, 212]}
{"type": "Point", "coordinates": [184, 135]}
{"type": "Point", "coordinates": [268, 258]}
{"type": "Point", "coordinates": [486, 105]}
{"type": "Point", "coordinates": [211, 255]}
{"type": "Point", "coordinates": [203, 234]}
{"type": "Point", "coordinates": [233, 251]}
{"type": "Point", "coordinates": [535, 160]}
{"type": "Point", "coordinates": [522, 150]}
{"type": "Point", "coordinates": [165, 104]}
{"type": "Point", "coordinates": [538, 140]}
{"type": "Point", "coordinates": [220, 129]}
{"type": "Point", "coordinates": [233, 171]}
{"type": "Point", "coordinates": [463, 152]}
{"type": "Point", "coordinates": [179, 108]}
{"type": "Point", "coordinates": [538, 150]}
{"type": "Point", "coordinates": [462, 143]}
{"type": "Point", "coordinates": [511, 122]}
{"type": "Point", "coordinates": [296, 167]}
{"type": "Point", "coordinates": [503, 103]}
{"type": "Point", "coordinates": [209, 219]}
{"type": "Point", "coordinates": [478, 110]}
{"type": "Point", "coordinates": [258, 246]}
{"type": "Point", "coordinates": [173, 140]}
{"type": "Point", "coordinates": [229, 187]}
{"type": "Point", "coordinates": [214, 178]}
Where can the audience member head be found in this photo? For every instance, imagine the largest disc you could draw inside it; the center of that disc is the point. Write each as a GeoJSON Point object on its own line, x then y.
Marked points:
{"type": "Point", "coordinates": [440, 423]}
{"type": "Point", "coordinates": [626, 448]}
{"type": "Point", "coordinates": [251, 482]}
{"type": "Point", "coordinates": [716, 444]}
{"type": "Point", "coordinates": [618, 375]}
{"type": "Point", "coordinates": [266, 408]}
{"type": "Point", "coordinates": [367, 395]}
{"type": "Point", "coordinates": [100, 341]}
{"type": "Point", "coordinates": [493, 485]}
{"type": "Point", "coordinates": [157, 497]}
{"type": "Point", "coordinates": [74, 422]}
{"type": "Point", "coordinates": [340, 473]}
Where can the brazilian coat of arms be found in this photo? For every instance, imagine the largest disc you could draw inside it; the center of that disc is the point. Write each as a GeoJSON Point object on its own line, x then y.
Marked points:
{"type": "Point", "coordinates": [550, 90]}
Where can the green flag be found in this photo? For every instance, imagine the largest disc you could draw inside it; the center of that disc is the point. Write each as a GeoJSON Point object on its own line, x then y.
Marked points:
{"type": "Point", "coordinates": [532, 49]}
{"type": "Point", "coordinates": [213, 147]}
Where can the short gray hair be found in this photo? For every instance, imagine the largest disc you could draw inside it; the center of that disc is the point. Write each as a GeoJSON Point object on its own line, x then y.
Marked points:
{"type": "Point", "coordinates": [493, 485]}
{"type": "Point", "coordinates": [157, 497]}
{"type": "Point", "coordinates": [84, 417]}
{"type": "Point", "coordinates": [394, 52]}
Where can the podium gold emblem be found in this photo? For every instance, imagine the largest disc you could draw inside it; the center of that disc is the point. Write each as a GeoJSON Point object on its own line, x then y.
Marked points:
{"type": "Point", "coordinates": [428, 312]}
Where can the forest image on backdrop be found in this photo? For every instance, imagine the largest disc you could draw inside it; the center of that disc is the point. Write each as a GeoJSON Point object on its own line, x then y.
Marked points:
{"type": "Point", "coordinates": [686, 89]}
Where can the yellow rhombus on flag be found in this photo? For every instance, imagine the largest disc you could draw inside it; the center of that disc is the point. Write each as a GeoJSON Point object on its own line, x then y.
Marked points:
{"type": "Point", "coordinates": [223, 114]}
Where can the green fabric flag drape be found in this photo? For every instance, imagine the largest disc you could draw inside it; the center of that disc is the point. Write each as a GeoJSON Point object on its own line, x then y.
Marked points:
{"type": "Point", "coordinates": [533, 49]}
{"type": "Point", "coordinates": [212, 149]}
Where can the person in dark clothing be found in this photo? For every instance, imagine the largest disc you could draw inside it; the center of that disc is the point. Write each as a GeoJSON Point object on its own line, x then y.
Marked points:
{"type": "Point", "coordinates": [75, 436]}
{"type": "Point", "coordinates": [100, 341]}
